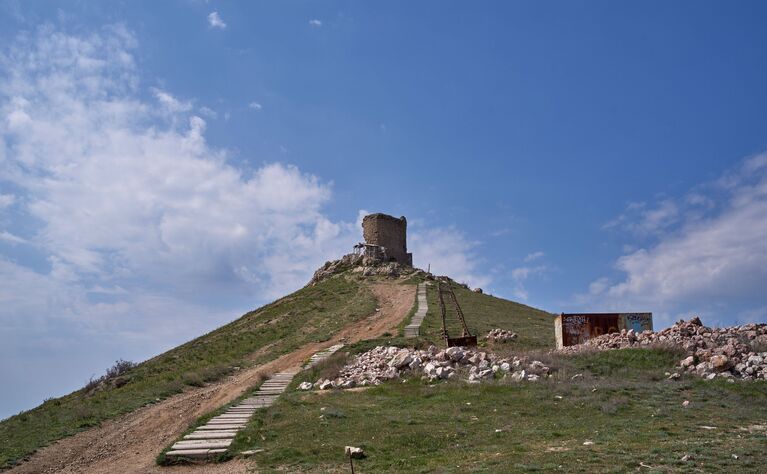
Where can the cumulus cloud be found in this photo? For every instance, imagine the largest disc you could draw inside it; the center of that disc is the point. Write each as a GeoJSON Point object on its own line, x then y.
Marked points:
{"type": "Point", "coordinates": [119, 192]}
{"type": "Point", "coordinates": [255, 106]}
{"type": "Point", "coordinates": [315, 23]}
{"type": "Point", "coordinates": [215, 21]}
{"type": "Point", "coordinates": [716, 252]}
{"type": "Point", "coordinates": [130, 219]}
{"type": "Point", "coordinates": [449, 252]}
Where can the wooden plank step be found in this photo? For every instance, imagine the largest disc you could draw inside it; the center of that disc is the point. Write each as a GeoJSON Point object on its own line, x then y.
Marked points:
{"type": "Point", "coordinates": [221, 427]}
{"type": "Point", "coordinates": [194, 453]}
{"type": "Point", "coordinates": [203, 444]}
{"type": "Point", "coordinates": [211, 435]}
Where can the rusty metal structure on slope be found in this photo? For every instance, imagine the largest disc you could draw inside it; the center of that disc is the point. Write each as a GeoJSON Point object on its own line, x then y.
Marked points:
{"type": "Point", "coordinates": [466, 338]}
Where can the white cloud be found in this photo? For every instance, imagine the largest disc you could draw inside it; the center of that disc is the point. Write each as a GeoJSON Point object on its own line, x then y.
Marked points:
{"type": "Point", "coordinates": [127, 194]}
{"type": "Point", "coordinates": [534, 256]}
{"type": "Point", "coordinates": [169, 103]}
{"type": "Point", "coordinates": [208, 112]}
{"type": "Point", "coordinates": [520, 274]}
{"type": "Point", "coordinates": [255, 106]}
{"type": "Point", "coordinates": [215, 21]}
{"type": "Point", "coordinates": [639, 219]}
{"type": "Point", "coordinates": [449, 253]}
{"type": "Point", "coordinates": [7, 200]}
{"type": "Point", "coordinates": [139, 221]}
{"type": "Point", "coordinates": [315, 23]}
{"type": "Point", "coordinates": [710, 257]}
{"type": "Point", "coordinates": [10, 238]}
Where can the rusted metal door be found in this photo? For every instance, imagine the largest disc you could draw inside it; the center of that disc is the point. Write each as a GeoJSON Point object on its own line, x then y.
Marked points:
{"type": "Point", "coordinates": [579, 328]}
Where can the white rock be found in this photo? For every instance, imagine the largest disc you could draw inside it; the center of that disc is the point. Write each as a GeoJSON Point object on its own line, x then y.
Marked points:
{"type": "Point", "coordinates": [354, 452]}
{"type": "Point", "coordinates": [401, 359]}
{"type": "Point", "coordinates": [305, 386]}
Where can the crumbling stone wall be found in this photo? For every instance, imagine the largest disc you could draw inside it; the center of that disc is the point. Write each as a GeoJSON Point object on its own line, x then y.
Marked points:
{"type": "Point", "coordinates": [388, 232]}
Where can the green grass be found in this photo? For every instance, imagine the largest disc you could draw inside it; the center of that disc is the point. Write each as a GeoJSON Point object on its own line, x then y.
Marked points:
{"type": "Point", "coordinates": [535, 328]}
{"type": "Point", "coordinates": [310, 314]}
{"type": "Point", "coordinates": [509, 427]}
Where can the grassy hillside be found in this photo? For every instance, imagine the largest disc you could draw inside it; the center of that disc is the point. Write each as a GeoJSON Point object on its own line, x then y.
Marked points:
{"type": "Point", "coordinates": [310, 314]}
{"type": "Point", "coordinates": [621, 415]}
{"type": "Point", "coordinates": [535, 328]}
{"type": "Point", "coordinates": [622, 407]}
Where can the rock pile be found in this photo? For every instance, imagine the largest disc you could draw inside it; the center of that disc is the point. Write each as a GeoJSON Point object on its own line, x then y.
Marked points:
{"type": "Point", "coordinates": [501, 335]}
{"type": "Point", "coordinates": [386, 363]}
{"type": "Point", "coordinates": [732, 352]}
{"type": "Point", "coordinates": [366, 266]}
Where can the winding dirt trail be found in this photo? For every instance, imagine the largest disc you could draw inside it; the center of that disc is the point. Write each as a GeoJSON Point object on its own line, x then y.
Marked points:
{"type": "Point", "coordinates": [130, 443]}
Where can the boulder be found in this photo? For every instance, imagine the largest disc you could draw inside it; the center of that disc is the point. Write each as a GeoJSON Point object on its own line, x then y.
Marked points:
{"type": "Point", "coordinates": [401, 359]}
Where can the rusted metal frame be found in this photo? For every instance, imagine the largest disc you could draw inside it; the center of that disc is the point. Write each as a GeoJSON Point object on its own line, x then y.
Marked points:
{"type": "Point", "coordinates": [466, 332]}
{"type": "Point", "coordinates": [443, 310]}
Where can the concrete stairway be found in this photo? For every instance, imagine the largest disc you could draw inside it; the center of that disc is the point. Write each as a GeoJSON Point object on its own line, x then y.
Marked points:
{"type": "Point", "coordinates": [412, 329]}
{"type": "Point", "coordinates": [217, 434]}
{"type": "Point", "coordinates": [322, 355]}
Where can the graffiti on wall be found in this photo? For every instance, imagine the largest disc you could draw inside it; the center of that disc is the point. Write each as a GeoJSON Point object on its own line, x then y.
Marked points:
{"type": "Point", "coordinates": [571, 329]}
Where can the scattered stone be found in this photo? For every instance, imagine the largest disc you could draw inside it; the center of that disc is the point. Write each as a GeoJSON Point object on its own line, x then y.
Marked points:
{"type": "Point", "coordinates": [366, 266]}
{"type": "Point", "coordinates": [674, 376]}
{"type": "Point", "coordinates": [686, 458]}
{"type": "Point", "coordinates": [354, 452]}
{"type": "Point", "coordinates": [686, 403]}
{"type": "Point", "coordinates": [588, 443]}
{"type": "Point", "coordinates": [386, 363]}
{"type": "Point", "coordinates": [501, 335]}
{"type": "Point", "coordinates": [251, 452]}
{"type": "Point", "coordinates": [305, 386]}
{"type": "Point", "coordinates": [730, 352]}
{"type": "Point", "coordinates": [400, 360]}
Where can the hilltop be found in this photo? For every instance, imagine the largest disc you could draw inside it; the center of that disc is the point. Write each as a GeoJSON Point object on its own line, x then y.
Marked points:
{"type": "Point", "coordinates": [598, 411]}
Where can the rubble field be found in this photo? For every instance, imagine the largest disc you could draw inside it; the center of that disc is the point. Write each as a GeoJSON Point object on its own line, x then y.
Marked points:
{"type": "Point", "coordinates": [731, 352]}
{"type": "Point", "coordinates": [387, 363]}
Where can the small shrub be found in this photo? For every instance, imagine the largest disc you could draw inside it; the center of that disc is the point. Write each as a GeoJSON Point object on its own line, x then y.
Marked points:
{"type": "Point", "coordinates": [193, 379]}
{"type": "Point", "coordinates": [121, 367]}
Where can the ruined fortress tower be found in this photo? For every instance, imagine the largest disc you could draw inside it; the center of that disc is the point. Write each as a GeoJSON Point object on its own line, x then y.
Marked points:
{"type": "Point", "coordinates": [390, 234]}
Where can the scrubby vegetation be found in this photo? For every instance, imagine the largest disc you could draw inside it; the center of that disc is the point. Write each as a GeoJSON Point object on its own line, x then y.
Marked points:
{"type": "Point", "coordinates": [310, 314]}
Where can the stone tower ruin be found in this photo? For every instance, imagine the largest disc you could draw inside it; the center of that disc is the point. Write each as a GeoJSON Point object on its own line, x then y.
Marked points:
{"type": "Point", "coordinates": [390, 234]}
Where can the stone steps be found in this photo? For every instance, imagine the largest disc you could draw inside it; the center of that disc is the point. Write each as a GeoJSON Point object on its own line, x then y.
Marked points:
{"type": "Point", "coordinates": [413, 329]}
{"type": "Point", "coordinates": [217, 434]}
{"type": "Point", "coordinates": [322, 355]}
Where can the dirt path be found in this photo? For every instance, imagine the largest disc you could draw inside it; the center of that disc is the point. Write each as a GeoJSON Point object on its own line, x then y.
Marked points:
{"type": "Point", "coordinates": [130, 443]}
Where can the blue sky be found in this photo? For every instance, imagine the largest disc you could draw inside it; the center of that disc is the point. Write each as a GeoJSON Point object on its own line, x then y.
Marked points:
{"type": "Point", "coordinates": [166, 166]}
